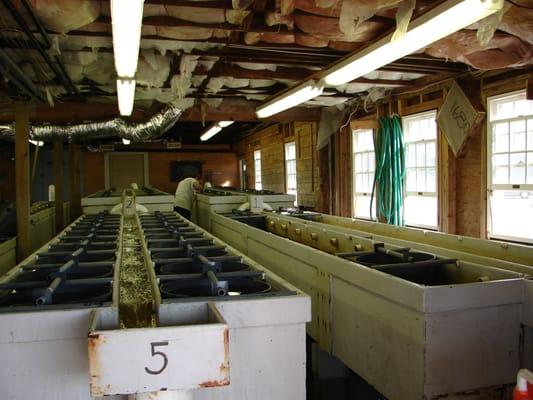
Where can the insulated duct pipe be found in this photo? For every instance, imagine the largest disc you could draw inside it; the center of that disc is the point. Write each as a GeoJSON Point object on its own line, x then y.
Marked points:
{"type": "Point", "coordinates": [156, 126]}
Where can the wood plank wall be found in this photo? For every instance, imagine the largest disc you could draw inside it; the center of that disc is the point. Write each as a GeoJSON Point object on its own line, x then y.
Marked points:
{"type": "Point", "coordinates": [271, 142]}
{"type": "Point", "coordinates": [218, 167]}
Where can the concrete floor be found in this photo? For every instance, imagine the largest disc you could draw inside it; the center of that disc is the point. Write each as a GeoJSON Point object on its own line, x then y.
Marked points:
{"type": "Point", "coordinates": [328, 378]}
{"type": "Point", "coordinates": [351, 387]}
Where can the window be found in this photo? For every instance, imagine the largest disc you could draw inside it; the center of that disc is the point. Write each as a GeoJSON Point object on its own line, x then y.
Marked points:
{"type": "Point", "coordinates": [257, 170]}
{"type": "Point", "coordinates": [420, 203]}
{"type": "Point", "coordinates": [510, 167]}
{"type": "Point", "coordinates": [290, 168]}
{"type": "Point", "coordinates": [363, 164]}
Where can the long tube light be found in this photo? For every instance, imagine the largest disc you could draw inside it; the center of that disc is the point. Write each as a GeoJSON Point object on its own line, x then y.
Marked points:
{"type": "Point", "coordinates": [214, 129]}
{"type": "Point", "coordinates": [298, 94]}
{"type": "Point", "coordinates": [126, 19]}
{"type": "Point", "coordinates": [443, 20]}
{"type": "Point", "coordinates": [126, 96]}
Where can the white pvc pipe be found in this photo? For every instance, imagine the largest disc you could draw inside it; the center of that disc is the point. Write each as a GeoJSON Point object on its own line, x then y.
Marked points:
{"type": "Point", "coordinates": [244, 207]}
{"type": "Point", "coordinates": [267, 207]}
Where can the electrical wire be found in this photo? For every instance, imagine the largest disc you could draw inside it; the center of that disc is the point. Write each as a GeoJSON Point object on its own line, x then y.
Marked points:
{"type": "Point", "coordinates": [390, 171]}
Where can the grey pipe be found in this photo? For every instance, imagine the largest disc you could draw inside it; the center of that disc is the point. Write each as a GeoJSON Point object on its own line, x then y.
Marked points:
{"type": "Point", "coordinates": [37, 23]}
{"type": "Point", "coordinates": [154, 128]}
{"type": "Point", "coordinates": [59, 72]}
{"type": "Point", "coordinates": [20, 77]}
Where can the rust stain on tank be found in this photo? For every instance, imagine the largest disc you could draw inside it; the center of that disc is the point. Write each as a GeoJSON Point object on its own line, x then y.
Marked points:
{"type": "Point", "coordinates": [224, 367]}
{"type": "Point", "coordinates": [207, 384]}
{"type": "Point", "coordinates": [94, 341]}
{"type": "Point", "coordinates": [226, 344]}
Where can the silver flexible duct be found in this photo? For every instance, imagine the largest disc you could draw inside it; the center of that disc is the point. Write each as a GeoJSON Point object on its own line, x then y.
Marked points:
{"type": "Point", "coordinates": [151, 129]}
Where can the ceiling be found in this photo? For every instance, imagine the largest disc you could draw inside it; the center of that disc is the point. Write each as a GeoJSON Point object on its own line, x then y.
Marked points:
{"type": "Point", "coordinates": [218, 59]}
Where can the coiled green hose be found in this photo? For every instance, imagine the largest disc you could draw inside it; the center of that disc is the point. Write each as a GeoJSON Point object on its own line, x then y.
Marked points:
{"type": "Point", "coordinates": [390, 170]}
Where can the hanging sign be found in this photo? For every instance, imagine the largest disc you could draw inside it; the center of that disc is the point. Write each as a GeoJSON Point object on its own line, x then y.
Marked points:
{"type": "Point", "coordinates": [458, 119]}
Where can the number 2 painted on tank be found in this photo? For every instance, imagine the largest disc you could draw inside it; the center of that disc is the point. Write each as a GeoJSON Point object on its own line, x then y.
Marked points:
{"type": "Point", "coordinates": [153, 345]}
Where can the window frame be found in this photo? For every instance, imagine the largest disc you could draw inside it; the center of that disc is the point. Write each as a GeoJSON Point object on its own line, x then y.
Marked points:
{"type": "Point", "coordinates": [421, 115]}
{"type": "Point", "coordinates": [258, 183]}
{"type": "Point", "coordinates": [295, 191]}
{"type": "Point", "coordinates": [355, 193]}
{"type": "Point", "coordinates": [510, 187]}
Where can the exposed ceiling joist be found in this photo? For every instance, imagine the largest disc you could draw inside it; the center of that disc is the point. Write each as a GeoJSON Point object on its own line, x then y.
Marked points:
{"type": "Point", "coordinates": [229, 109]}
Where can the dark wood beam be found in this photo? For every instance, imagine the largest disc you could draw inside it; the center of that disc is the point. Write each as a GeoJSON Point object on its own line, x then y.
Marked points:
{"type": "Point", "coordinates": [294, 74]}
{"type": "Point", "coordinates": [22, 179]}
{"type": "Point", "coordinates": [242, 110]}
{"type": "Point", "coordinates": [58, 183]}
{"type": "Point", "coordinates": [171, 22]}
{"type": "Point", "coordinates": [230, 109]}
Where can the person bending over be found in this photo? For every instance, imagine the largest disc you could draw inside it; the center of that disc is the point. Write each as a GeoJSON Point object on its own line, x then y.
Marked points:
{"type": "Point", "coordinates": [185, 194]}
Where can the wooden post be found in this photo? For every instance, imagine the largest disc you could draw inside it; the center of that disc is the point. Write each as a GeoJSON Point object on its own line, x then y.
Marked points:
{"type": "Point", "coordinates": [75, 189]}
{"type": "Point", "coordinates": [22, 176]}
{"type": "Point", "coordinates": [58, 178]}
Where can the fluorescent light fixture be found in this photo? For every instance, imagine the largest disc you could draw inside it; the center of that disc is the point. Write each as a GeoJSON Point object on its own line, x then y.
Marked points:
{"type": "Point", "coordinates": [213, 130]}
{"type": "Point", "coordinates": [208, 134]}
{"type": "Point", "coordinates": [126, 95]}
{"type": "Point", "coordinates": [126, 141]}
{"type": "Point", "coordinates": [443, 20]}
{"type": "Point", "coordinates": [36, 143]}
{"type": "Point", "coordinates": [293, 97]}
{"type": "Point", "coordinates": [225, 124]}
{"type": "Point", "coordinates": [126, 19]}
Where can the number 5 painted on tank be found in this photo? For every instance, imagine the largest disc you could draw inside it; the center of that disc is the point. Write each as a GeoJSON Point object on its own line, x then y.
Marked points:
{"type": "Point", "coordinates": [153, 345]}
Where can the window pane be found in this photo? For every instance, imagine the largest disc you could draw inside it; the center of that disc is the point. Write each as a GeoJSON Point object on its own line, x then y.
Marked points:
{"type": "Point", "coordinates": [411, 155]}
{"type": "Point", "coordinates": [363, 170]}
{"type": "Point", "coordinates": [508, 207]}
{"type": "Point", "coordinates": [358, 182]}
{"type": "Point", "coordinates": [430, 154]}
{"type": "Point", "coordinates": [421, 179]}
{"type": "Point", "coordinates": [529, 171]}
{"type": "Point", "coordinates": [431, 184]}
{"type": "Point", "coordinates": [518, 135]}
{"type": "Point", "coordinates": [420, 154]}
{"type": "Point", "coordinates": [410, 184]}
{"type": "Point", "coordinates": [500, 169]}
{"type": "Point", "coordinates": [530, 134]}
{"type": "Point", "coordinates": [362, 207]}
{"type": "Point", "coordinates": [290, 168]}
{"type": "Point", "coordinates": [511, 164]}
{"type": "Point", "coordinates": [364, 162]}
{"type": "Point", "coordinates": [518, 168]}
{"type": "Point", "coordinates": [420, 134]}
{"type": "Point", "coordinates": [421, 211]}
{"type": "Point", "coordinates": [371, 162]}
{"type": "Point", "coordinates": [369, 181]}
{"type": "Point", "coordinates": [500, 139]}
{"type": "Point", "coordinates": [523, 107]}
{"type": "Point", "coordinates": [504, 110]}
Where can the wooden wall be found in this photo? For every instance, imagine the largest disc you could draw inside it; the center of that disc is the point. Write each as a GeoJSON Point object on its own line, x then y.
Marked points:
{"type": "Point", "coordinates": [93, 175]}
{"type": "Point", "coordinates": [218, 167]}
{"type": "Point", "coordinates": [271, 141]}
